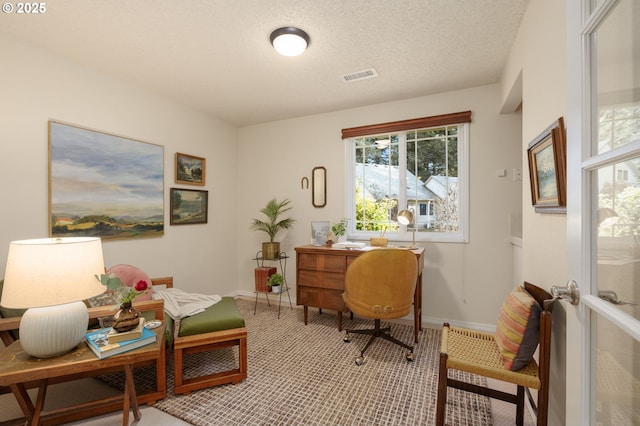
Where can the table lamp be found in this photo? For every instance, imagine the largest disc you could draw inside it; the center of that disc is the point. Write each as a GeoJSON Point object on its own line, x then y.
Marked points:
{"type": "Point", "coordinates": [405, 217]}
{"type": "Point", "coordinates": [51, 277]}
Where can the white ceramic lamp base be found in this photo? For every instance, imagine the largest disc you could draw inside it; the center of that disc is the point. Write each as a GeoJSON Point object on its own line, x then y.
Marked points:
{"type": "Point", "coordinates": [53, 330]}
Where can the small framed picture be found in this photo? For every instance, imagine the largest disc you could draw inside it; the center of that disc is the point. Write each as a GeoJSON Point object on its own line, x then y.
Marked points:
{"type": "Point", "coordinates": [548, 169]}
{"type": "Point", "coordinates": [320, 233]}
{"type": "Point", "coordinates": [188, 206]}
{"type": "Point", "coordinates": [190, 170]}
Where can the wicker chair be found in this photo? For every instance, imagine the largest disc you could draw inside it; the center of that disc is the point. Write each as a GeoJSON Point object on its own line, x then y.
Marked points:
{"type": "Point", "coordinates": [380, 284]}
{"type": "Point", "coordinates": [477, 352]}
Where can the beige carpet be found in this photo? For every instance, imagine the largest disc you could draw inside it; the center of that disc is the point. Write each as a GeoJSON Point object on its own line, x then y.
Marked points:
{"type": "Point", "coordinates": [306, 375]}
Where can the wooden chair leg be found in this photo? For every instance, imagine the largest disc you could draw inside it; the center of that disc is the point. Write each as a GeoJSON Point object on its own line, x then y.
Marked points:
{"type": "Point", "coordinates": [441, 404]}
{"type": "Point", "coordinates": [520, 406]}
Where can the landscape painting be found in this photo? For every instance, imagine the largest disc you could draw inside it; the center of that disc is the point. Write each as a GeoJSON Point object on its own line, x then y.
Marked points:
{"type": "Point", "coordinates": [104, 185]}
{"type": "Point", "coordinates": [547, 169]}
{"type": "Point", "coordinates": [190, 170]}
{"type": "Point", "coordinates": [189, 206]}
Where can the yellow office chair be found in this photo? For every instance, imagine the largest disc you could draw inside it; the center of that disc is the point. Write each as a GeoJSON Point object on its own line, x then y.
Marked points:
{"type": "Point", "coordinates": [380, 284]}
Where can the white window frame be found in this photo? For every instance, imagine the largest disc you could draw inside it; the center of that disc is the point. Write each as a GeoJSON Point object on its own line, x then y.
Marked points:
{"type": "Point", "coordinates": [403, 235]}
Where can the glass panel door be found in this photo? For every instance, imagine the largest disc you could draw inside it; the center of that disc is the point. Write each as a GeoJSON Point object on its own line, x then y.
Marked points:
{"type": "Point", "coordinates": [613, 164]}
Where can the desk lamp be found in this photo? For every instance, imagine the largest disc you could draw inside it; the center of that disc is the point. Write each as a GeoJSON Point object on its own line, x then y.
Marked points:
{"type": "Point", "coordinates": [51, 277]}
{"type": "Point", "coordinates": [405, 217]}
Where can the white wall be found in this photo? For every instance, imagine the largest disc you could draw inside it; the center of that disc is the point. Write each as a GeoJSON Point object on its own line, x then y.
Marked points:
{"type": "Point", "coordinates": [538, 56]}
{"type": "Point", "coordinates": [462, 282]}
{"type": "Point", "coordinates": [38, 86]}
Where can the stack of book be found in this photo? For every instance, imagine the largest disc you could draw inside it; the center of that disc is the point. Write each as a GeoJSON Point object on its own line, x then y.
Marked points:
{"type": "Point", "coordinates": [107, 342]}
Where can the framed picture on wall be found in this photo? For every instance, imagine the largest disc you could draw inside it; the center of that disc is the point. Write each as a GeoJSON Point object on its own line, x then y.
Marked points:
{"type": "Point", "coordinates": [190, 170]}
{"type": "Point", "coordinates": [103, 185]}
{"type": "Point", "coordinates": [548, 169]}
{"type": "Point", "coordinates": [189, 206]}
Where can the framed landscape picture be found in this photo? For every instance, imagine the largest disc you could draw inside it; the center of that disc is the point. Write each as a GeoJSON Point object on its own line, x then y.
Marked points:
{"type": "Point", "coordinates": [188, 206]}
{"type": "Point", "coordinates": [547, 169]}
{"type": "Point", "coordinates": [190, 170]}
{"type": "Point", "coordinates": [103, 185]}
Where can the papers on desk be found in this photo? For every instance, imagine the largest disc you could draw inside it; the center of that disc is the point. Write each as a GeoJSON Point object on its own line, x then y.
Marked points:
{"type": "Point", "coordinates": [349, 245]}
{"type": "Point", "coordinates": [352, 245]}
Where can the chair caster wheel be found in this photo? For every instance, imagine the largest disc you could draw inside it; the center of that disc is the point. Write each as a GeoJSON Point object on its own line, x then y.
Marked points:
{"type": "Point", "coordinates": [359, 360]}
{"type": "Point", "coordinates": [409, 356]}
{"type": "Point", "coordinates": [346, 338]}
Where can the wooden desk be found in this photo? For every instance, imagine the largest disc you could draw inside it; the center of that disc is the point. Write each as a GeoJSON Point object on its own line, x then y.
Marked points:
{"type": "Point", "coordinates": [18, 368]}
{"type": "Point", "coordinates": [320, 273]}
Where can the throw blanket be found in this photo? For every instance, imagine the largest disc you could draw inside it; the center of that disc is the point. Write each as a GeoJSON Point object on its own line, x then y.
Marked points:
{"type": "Point", "coordinates": [179, 304]}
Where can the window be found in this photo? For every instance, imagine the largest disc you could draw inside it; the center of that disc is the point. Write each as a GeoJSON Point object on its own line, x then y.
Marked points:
{"type": "Point", "coordinates": [420, 165]}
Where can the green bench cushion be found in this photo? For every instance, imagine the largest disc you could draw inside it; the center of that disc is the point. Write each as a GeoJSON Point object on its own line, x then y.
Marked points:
{"type": "Point", "coordinates": [224, 315]}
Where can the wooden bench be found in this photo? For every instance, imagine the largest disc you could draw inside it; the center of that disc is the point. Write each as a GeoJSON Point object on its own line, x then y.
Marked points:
{"type": "Point", "coordinates": [219, 326]}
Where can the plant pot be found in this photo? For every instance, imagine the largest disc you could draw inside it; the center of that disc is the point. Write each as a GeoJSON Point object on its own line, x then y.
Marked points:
{"type": "Point", "coordinates": [276, 289]}
{"type": "Point", "coordinates": [270, 251]}
{"type": "Point", "coordinates": [341, 238]}
{"type": "Point", "coordinates": [127, 318]}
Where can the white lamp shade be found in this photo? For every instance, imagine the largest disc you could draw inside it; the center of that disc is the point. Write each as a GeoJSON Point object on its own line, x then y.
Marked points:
{"type": "Point", "coordinates": [52, 271]}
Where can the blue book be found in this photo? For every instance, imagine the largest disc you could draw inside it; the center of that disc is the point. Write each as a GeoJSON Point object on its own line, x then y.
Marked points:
{"type": "Point", "coordinates": [98, 342]}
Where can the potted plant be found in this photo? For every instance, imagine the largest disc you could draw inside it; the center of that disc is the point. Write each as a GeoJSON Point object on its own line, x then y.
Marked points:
{"type": "Point", "coordinates": [339, 229]}
{"type": "Point", "coordinates": [275, 282]}
{"type": "Point", "coordinates": [273, 210]}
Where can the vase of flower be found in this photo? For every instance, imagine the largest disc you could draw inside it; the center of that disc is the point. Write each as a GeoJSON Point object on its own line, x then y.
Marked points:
{"type": "Point", "coordinates": [127, 318]}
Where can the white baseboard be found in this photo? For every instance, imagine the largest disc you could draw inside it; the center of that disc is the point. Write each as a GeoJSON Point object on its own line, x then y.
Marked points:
{"type": "Point", "coordinates": [427, 322]}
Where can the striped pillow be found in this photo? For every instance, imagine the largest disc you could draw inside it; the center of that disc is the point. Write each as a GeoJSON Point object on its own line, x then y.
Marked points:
{"type": "Point", "coordinates": [517, 334]}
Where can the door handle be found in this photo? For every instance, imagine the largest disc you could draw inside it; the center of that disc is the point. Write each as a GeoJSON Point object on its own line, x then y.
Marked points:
{"type": "Point", "coordinates": [612, 297]}
{"type": "Point", "coordinates": [570, 292]}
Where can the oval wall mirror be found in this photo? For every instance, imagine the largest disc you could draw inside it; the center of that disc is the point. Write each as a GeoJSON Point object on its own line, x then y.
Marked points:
{"type": "Point", "coordinates": [319, 187]}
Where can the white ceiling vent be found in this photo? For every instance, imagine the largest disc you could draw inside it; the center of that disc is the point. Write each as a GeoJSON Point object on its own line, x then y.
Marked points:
{"type": "Point", "coordinates": [359, 75]}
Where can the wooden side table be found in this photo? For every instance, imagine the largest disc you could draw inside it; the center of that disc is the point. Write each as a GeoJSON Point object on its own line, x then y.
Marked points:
{"type": "Point", "coordinates": [18, 368]}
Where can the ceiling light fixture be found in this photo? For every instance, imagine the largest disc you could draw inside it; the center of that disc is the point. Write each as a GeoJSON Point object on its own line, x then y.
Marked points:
{"type": "Point", "coordinates": [289, 41]}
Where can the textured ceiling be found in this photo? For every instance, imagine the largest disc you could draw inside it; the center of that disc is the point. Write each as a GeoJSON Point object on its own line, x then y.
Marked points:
{"type": "Point", "coordinates": [215, 56]}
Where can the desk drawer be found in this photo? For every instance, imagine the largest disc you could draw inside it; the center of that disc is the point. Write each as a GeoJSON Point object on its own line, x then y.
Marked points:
{"type": "Point", "coordinates": [321, 262]}
{"type": "Point", "coordinates": [320, 298]}
{"type": "Point", "coordinates": [331, 280]}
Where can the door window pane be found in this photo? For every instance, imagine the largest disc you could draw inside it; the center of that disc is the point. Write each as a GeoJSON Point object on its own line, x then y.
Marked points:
{"type": "Point", "coordinates": [617, 52]}
{"type": "Point", "coordinates": [617, 376]}
{"type": "Point", "coordinates": [618, 234]}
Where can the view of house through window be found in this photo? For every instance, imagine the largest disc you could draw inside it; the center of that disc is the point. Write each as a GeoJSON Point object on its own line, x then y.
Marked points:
{"type": "Point", "coordinates": [419, 170]}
